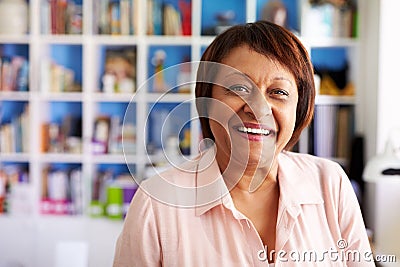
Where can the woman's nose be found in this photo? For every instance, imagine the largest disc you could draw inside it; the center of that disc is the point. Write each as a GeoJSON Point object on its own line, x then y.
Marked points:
{"type": "Point", "coordinates": [257, 106]}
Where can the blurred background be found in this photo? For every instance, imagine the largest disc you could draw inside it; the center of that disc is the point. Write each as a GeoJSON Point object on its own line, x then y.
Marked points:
{"type": "Point", "coordinates": [81, 111]}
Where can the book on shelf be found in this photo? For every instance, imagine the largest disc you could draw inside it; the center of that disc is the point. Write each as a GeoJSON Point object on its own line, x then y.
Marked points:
{"type": "Point", "coordinates": [60, 17]}
{"type": "Point", "coordinates": [345, 131]}
{"type": "Point", "coordinates": [185, 8]}
{"type": "Point", "coordinates": [14, 74]}
{"type": "Point", "coordinates": [116, 17]}
{"type": "Point", "coordinates": [112, 137]}
{"type": "Point", "coordinates": [166, 19]}
{"type": "Point", "coordinates": [324, 130]}
{"type": "Point", "coordinates": [14, 136]}
{"type": "Point", "coordinates": [57, 78]}
{"type": "Point", "coordinates": [62, 138]}
{"type": "Point", "coordinates": [172, 24]}
{"type": "Point", "coordinates": [125, 21]}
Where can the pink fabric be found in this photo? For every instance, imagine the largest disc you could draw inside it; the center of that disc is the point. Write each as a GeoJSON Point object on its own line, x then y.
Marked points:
{"type": "Point", "coordinates": [319, 222]}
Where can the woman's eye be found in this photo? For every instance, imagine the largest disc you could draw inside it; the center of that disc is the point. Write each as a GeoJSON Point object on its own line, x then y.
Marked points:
{"type": "Point", "coordinates": [279, 92]}
{"type": "Point", "coordinates": [238, 89]}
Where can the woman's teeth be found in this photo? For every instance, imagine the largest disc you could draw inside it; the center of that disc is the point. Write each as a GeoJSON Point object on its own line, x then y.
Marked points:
{"type": "Point", "coordinates": [253, 130]}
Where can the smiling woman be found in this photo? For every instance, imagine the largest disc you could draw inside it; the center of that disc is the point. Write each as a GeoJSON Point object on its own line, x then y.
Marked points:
{"type": "Point", "coordinates": [262, 101]}
{"type": "Point", "coordinates": [247, 193]}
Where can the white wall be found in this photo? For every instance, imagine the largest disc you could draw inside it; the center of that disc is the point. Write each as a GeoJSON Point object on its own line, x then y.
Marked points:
{"type": "Point", "coordinates": [388, 114]}
{"type": "Point", "coordinates": [367, 95]}
{"type": "Point", "coordinates": [379, 101]}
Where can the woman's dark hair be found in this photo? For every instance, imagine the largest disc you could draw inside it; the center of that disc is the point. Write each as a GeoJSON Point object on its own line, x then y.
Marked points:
{"type": "Point", "coordinates": [276, 43]}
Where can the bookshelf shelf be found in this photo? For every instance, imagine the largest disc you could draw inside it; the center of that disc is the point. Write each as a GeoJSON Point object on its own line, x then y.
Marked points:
{"type": "Point", "coordinates": [331, 42]}
{"type": "Point", "coordinates": [205, 40]}
{"type": "Point", "coordinates": [109, 158]}
{"type": "Point", "coordinates": [14, 96]}
{"type": "Point", "coordinates": [334, 100]}
{"type": "Point", "coordinates": [117, 97]}
{"type": "Point", "coordinates": [17, 39]}
{"type": "Point", "coordinates": [14, 157]}
{"type": "Point", "coordinates": [61, 158]}
{"type": "Point", "coordinates": [169, 40]}
{"type": "Point", "coordinates": [168, 98]}
{"type": "Point", "coordinates": [62, 39]}
{"type": "Point", "coordinates": [114, 40]}
{"type": "Point", "coordinates": [64, 97]}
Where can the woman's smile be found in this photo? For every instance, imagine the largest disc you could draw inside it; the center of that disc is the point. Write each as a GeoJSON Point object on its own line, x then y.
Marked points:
{"type": "Point", "coordinates": [254, 131]}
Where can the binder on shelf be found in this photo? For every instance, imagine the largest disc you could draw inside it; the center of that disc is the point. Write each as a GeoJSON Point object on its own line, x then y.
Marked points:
{"type": "Point", "coordinates": [324, 131]}
{"type": "Point", "coordinates": [333, 131]}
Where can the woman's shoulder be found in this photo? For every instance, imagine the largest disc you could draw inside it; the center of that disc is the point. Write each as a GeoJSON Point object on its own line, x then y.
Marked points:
{"type": "Point", "coordinates": [327, 174]}
{"type": "Point", "coordinates": [306, 160]}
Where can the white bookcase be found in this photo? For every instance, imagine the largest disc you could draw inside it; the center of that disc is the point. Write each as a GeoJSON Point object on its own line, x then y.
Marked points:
{"type": "Point", "coordinates": [31, 239]}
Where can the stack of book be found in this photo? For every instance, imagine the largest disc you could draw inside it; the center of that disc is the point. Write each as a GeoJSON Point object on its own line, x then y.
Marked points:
{"type": "Point", "coordinates": [116, 17]}
{"type": "Point", "coordinates": [57, 78]}
{"type": "Point", "coordinates": [61, 17]}
{"type": "Point", "coordinates": [14, 136]}
{"type": "Point", "coordinates": [14, 74]}
{"type": "Point", "coordinates": [333, 131]}
{"type": "Point", "coordinates": [166, 19]}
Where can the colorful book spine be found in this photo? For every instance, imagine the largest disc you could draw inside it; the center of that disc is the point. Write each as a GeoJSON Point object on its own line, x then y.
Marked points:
{"type": "Point", "coordinates": [125, 16]}
{"type": "Point", "coordinates": [115, 18]}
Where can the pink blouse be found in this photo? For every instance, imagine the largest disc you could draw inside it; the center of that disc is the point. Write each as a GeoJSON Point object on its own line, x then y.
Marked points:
{"type": "Point", "coordinates": [319, 220]}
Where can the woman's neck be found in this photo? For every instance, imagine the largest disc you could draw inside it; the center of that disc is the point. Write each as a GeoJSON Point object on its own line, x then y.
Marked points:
{"type": "Point", "coordinates": [248, 178]}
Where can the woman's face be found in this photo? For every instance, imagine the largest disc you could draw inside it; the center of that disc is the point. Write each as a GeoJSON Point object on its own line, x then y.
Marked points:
{"type": "Point", "coordinates": [253, 109]}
